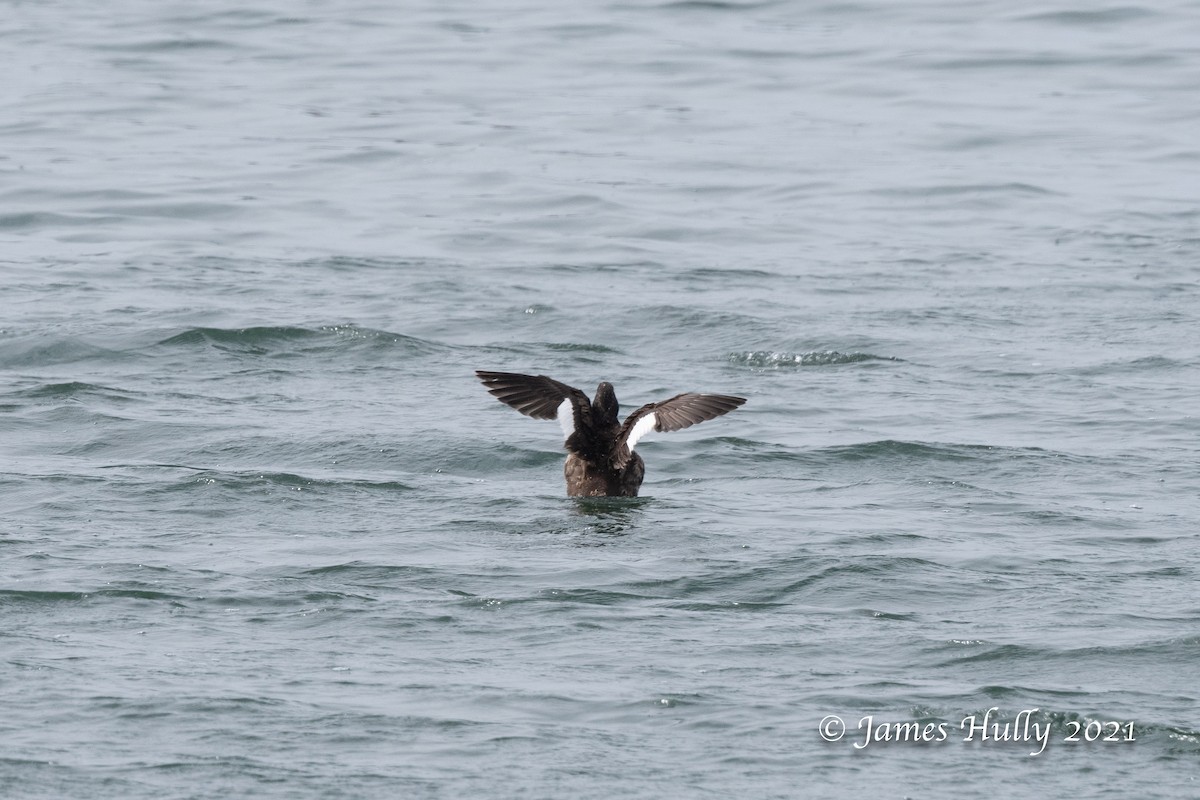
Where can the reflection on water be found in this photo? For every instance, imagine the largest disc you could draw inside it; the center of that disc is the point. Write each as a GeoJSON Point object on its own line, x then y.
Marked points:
{"type": "Point", "coordinates": [610, 516]}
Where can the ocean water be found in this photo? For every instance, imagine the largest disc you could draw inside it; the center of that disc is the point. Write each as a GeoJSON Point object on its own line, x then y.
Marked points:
{"type": "Point", "coordinates": [263, 534]}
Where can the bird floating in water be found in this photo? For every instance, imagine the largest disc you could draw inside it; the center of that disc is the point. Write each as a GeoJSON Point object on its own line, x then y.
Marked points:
{"type": "Point", "coordinates": [600, 457]}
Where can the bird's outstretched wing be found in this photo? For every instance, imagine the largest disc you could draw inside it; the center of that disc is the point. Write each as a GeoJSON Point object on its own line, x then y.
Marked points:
{"type": "Point", "coordinates": [681, 411]}
{"type": "Point", "coordinates": [539, 397]}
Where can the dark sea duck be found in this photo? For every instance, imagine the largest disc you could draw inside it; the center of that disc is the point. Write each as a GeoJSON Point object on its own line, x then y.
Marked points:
{"type": "Point", "coordinates": [600, 457]}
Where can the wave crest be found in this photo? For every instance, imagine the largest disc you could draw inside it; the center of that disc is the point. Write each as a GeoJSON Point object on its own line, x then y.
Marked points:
{"type": "Point", "coordinates": [770, 359]}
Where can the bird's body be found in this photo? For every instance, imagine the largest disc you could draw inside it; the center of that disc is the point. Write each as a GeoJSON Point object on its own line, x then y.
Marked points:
{"type": "Point", "coordinates": [589, 479]}
{"type": "Point", "coordinates": [600, 457]}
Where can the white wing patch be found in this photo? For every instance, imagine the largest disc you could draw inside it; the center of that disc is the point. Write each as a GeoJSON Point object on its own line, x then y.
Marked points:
{"type": "Point", "coordinates": [566, 418]}
{"type": "Point", "coordinates": [640, 429]}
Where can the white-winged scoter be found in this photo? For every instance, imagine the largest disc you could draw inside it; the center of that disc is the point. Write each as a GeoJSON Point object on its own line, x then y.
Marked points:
{"type": "Point", "coordinates": [600, 457]}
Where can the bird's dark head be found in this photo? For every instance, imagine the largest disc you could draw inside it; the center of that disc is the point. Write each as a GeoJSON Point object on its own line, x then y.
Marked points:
{"type": "Point", "coordinates": [606, 402]}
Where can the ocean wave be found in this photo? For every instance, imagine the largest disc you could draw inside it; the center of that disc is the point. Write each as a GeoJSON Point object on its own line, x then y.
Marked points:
{"type": "Point", "coordinates": [286, 340]}
{"type": "Point", "coordinates": [770, 359]}
{"type": "Point", "coordinates": [256, 479]}
{"type": "Point", "coordinates": [26, 352]}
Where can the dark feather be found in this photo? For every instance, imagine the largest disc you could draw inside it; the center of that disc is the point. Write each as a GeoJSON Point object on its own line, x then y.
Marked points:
{"type": "Point", "coordinates": [533, 395]}
{"type": "Point", "coordinates": [684, 410]}
{"type": "Point", "coordinates": [679, 412]}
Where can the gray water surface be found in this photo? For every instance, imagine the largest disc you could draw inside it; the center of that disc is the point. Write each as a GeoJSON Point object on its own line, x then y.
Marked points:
{"type": "Point", "coordinates": [262, 534]}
